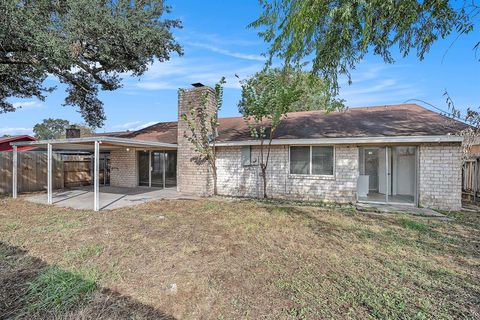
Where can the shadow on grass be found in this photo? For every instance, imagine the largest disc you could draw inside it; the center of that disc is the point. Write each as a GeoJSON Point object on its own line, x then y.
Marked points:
{"type": "Point", "coordinates": [30, 289]}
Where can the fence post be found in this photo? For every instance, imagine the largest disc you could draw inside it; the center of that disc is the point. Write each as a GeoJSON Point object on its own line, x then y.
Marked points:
{"type": "Point", "coordinates": [49, 173]}
{"type": "Point", "coordinates": [96, 167]}
{"type": "Point", "coordinates": [14, 172]}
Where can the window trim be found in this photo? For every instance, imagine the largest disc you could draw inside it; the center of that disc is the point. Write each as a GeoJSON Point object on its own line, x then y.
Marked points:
{"type": "Point", "coordinates": [310, 174]}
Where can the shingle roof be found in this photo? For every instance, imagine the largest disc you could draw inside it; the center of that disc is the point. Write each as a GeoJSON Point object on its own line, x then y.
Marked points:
{"type": "Point", "coordinates": [378, 121]}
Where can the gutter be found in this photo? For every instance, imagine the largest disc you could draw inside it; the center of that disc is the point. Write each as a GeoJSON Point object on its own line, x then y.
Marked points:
{"type": "Point", "coordinates": [354, 140]}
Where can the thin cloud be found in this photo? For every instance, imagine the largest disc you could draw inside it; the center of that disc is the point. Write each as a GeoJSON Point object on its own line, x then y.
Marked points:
{"type": "Point", "coordinates": [15, 131]}
{"type": "Point", "coordinates": [27, 104]}
{"type": "Point", "coordinates": [134, 125]}
{"type": "Point", "coordinates": [226, 52]}
{"type": "Point", "coordinates": [180, 72]}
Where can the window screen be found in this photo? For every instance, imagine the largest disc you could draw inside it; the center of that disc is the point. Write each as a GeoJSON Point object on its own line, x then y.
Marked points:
{"type": "Point", "coordinates": [246, 156]}
{"type": "Point", "coordinates": [299, 160]}
{"type": "Point", "coordinates": [322, 160]}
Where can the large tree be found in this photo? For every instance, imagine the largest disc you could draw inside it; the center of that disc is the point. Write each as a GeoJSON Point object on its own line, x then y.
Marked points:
{"type": "Point", "coordinates": [56, 129]}
{"type": "Point", "coordinates": [334, 36]}
{"type": "Point", "coordinates": [268, 97]}
{"type": "Point", "coordinates": [86, 44]}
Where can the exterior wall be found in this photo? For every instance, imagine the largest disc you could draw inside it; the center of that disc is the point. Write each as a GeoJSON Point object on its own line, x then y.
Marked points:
{"type": "Point", "coordinates": [193, 173]}
{"type": "Point", "coordinates": [440, 176]}
{"type": "Point", "coordinates": [245, 181]}
{"type": "Point", "coordinates": [123, 168]}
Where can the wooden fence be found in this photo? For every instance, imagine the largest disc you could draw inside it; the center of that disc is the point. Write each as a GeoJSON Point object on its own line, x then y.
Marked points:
{"type": "Point", "coordinates": [31, 171]}
{"type": "Point", "coordinates": [471, 179]}
{"type": "Point", "coordinates": [68, 171]}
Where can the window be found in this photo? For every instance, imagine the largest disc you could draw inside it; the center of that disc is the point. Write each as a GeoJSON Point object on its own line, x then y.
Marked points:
{"type": "Point", "coordinates": [246, 156]}
{"type": "Point", "coordinates": [310, 160]}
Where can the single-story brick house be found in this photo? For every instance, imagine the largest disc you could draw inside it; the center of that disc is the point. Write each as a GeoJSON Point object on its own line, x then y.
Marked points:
{"type": "Point", "coordinates": [387, 154]}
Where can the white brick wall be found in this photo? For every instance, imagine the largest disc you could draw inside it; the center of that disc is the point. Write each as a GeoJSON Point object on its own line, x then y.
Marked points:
{"type": "Point", "coordinates": [123, 168]}
{"type": "Point", "coordinates": [237, 180]}
{"type": "Point", "coordinates": [440, 176]}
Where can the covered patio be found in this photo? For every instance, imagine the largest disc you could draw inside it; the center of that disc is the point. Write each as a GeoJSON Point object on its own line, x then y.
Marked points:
{"type": "Point", "coordinates": [110, 197]}
{"type": "Point", "coordinates": [93, 197]}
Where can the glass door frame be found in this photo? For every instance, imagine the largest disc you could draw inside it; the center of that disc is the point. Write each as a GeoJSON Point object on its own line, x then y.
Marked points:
{"type": "Point", "coordinates": [150, 168]}
{"type": "Point", "coordinates": [388, 174]}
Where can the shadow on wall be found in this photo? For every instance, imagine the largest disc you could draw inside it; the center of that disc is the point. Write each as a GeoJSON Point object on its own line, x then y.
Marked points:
{"type": "Point", "coordinates": [18, 270]}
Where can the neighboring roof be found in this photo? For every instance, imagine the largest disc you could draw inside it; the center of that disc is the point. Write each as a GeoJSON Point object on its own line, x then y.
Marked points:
{"type": "Point", "coordinates": [5, 143]}
{"type": "Point", "coordinates": [17, 138]}
{"type": "Point", "coordinates": [378, 121]}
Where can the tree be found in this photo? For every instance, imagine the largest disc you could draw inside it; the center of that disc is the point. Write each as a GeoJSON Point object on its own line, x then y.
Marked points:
{"type": "Point", "coordinates": [334, 36]}
{"type": "Point", "coordinates": [203, 128]}
{"type": "Point", "coordinates": [270, 95]}
{"type": "Point", "coordinates": [55, 129]}
{"type": "Point", "coordinates": [87, 44]}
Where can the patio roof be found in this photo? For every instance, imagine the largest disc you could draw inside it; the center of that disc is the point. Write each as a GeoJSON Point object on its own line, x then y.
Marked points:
{"type": "Point", "coordinates": [87, 143]}
{"type": "Point", "coordinates": [95, 143]}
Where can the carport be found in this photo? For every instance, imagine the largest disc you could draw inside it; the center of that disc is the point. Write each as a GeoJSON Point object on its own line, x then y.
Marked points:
{"type": "Point", "coordinates": [93, 144]}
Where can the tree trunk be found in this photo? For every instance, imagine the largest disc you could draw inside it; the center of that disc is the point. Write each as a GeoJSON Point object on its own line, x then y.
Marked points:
{"type": "Point", "coordinates": [264, 177]}
{"type": "Point", "coordinates": [215, 182]}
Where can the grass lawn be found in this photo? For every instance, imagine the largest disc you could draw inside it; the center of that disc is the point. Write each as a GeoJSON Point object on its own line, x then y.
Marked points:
{"type": "Point", "coordinates": [219, 259]}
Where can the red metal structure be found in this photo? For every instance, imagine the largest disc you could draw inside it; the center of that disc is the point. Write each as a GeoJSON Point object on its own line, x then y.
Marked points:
{"type": "Point", "coordinates": [6, 147]}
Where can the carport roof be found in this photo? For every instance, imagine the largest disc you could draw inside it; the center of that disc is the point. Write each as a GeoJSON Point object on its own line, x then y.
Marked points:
{"type": "Point", "coordinates": [87, 143]}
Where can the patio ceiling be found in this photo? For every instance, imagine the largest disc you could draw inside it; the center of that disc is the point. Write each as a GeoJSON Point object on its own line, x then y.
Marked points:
{"type": "Point", "coordinates": [87, 143]}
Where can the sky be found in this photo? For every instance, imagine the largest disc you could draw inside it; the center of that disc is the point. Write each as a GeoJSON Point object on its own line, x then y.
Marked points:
{"type": "Point", "coordinates": [217, 42]}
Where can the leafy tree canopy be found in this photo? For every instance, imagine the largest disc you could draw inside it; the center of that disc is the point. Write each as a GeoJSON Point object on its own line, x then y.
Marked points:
{"type": "Point", "coordinates": [335, 35]}
{"type": "Point", "coordinates": [86, 44]}
{"type": "Point", "coordinates": [56, 128]}
{"type": "Point", "coordinates": [273, 92]}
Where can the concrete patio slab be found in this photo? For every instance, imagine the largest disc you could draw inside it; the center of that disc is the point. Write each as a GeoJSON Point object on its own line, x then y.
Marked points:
{"type": "Point", "coordinates": [392, 208]}
{"type": "Point", "coordinates": [110, 197]}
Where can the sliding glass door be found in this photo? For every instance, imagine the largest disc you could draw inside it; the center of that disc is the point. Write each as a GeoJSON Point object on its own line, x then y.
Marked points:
{"type": "Point", "coordinates": [157, 168]}
{"type": "Point", "coordinates": [387, 174]}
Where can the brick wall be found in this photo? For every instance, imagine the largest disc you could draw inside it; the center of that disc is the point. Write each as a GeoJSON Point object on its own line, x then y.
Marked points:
{"type": "Point", "coordinates": [440, 179]}
{"type": "Point", "coordinates": [439, 176]}
{"type": "Point", "coordinates": [245, 181]}
{"type": "Point", "coordinates": [193, 172]}
{"type": "Point", "coordinates": [123, 168]}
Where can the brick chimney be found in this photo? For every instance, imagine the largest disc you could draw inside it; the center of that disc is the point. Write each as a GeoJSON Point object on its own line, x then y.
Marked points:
{"type": "Point", "coordinates": [72, 132]}
{"type": "Point", "coordinates": [193, 172]}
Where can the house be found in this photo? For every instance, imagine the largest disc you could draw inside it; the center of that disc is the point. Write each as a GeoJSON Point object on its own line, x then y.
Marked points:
{"type": "Point", "coordinates": [385, 154]}
{"type": "Point", "coordinates": [5, 143]}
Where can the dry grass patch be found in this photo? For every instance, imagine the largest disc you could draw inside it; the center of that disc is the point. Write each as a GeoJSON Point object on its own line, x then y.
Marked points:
{"type": "Point", "coordinates": [216, 259]}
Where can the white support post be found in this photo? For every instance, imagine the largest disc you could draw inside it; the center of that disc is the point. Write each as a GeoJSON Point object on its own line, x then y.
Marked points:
{"type": "Point", "coordinates": [49, 173]}
{"type": "Point", "coordinates": [96, 173]}
{"type": "Point", "coordinates": [14, 172]}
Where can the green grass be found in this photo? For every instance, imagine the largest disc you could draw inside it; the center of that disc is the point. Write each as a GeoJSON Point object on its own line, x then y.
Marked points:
{"type": "Point", "coordinates": [85, 252]}
{"type": "Point", "coordinates": [56, 290]}
{"type": "Point", "coordinates": [414, 225]}
{"type": "Point", "coordinates": [12, 226]}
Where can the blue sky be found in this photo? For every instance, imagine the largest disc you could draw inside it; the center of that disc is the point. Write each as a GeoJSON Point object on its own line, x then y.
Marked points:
{"type": "Point", "coordinates": [217, 43]}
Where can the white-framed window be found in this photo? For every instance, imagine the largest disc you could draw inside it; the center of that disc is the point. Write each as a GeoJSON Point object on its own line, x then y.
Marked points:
{"type": "Point", "coordinates": [312, 160]}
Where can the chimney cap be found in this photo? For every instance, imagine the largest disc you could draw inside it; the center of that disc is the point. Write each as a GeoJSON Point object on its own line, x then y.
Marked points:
{"type": "Point", "coordinates": [198, 85]}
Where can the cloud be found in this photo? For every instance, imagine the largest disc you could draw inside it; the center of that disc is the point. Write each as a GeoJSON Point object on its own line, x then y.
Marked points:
{"type": "Point", "coordinates": [15, 131]}
{"type": "Point", "coordinates": [134, 125]}
{"type": "Point", "coordinates": [181, 72]}
{"type": "Point", "coordinates": [226, 52]}
{"type": "Point", "coordinates": [27, 104]}
{"type": "Point", "coordinates": [379, 84]}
